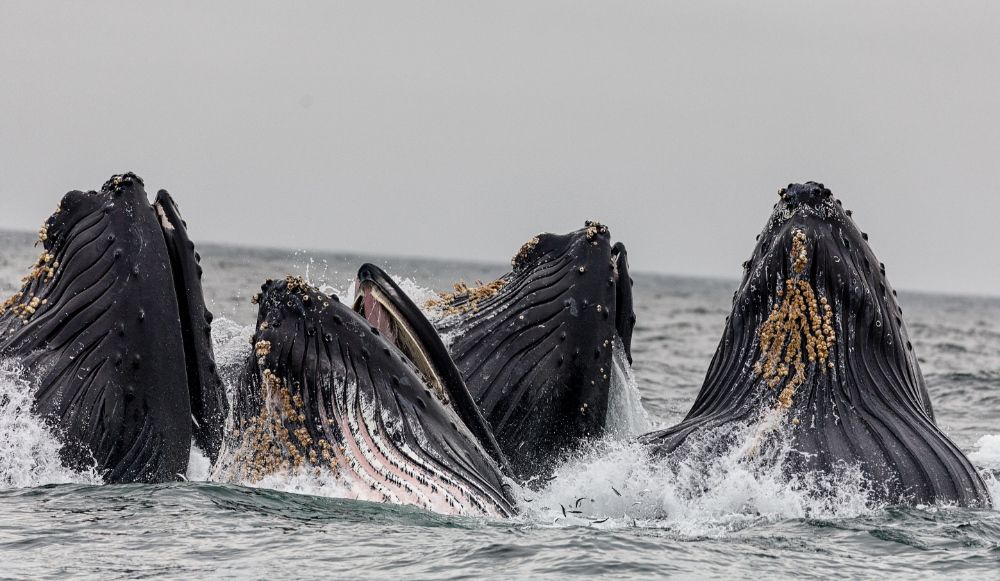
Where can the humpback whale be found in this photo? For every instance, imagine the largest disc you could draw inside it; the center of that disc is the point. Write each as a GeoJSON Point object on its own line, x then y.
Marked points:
{"type": "Point", "coordinates": [816, 355]}
{"type": "Point", "coordinates": [535, 346]}
{"type": "Point", "coordinates": [112, 328]}
{"type": "Point", "coordinates": [380, 300]}
{"type": "Point", "coordinates": [329, 389]}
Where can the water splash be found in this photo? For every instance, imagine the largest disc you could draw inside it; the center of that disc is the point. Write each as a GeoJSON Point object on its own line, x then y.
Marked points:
{"type": "Point", "coordinates": [199, 466]}
{"type": "Point", "coordinates": [992, 480]}
{"type": "Point", "coordinates": [231, 344]}
{"type": "Point", "coordinates": [987, 453]}
{"type": "Point", "coordinates": [626, 417]}
{"type": "Point", "coordinates": [418, 294]}
{"type": "Point", "coordinates": [311, 481]}
{"type": "Point", "coordinates": [705, 492]}
{"type": "Point", "coordinates": [29, 451]}
{"type": "Point", "coordinates": [987, 457]}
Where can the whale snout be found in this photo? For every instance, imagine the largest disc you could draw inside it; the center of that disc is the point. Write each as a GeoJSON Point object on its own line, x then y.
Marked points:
{"type": "Point", "coordinates": [811, 193]}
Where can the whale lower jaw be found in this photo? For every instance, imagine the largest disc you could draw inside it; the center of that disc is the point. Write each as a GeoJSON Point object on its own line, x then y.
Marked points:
{"type": "Point", "coordinates": [355, 450]}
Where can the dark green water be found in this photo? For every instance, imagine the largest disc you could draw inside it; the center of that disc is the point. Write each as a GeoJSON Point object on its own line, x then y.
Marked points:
{"type": "Point", "coordinates": [721, 519]}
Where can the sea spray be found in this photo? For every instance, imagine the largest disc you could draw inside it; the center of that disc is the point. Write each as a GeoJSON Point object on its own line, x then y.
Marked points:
{"type": "Point", "coordinates": [29, 450]}
{"type": "Point", "coordinates": [311, 481]}
{"type": "Point", "coordinates": [987, 452]}
{"type": "Point", "coordinates": [199, 466]}
{"type": "Point", "coordinates": [417, 293]}
{"type": "Point", "coordinates": [231, 344]}
{"type": "Point", "coordinates": [987, 457]}
{"type": "Point", "coordinates": [626, 417]}
{"type": "Point", "coordinates": [707, 490]}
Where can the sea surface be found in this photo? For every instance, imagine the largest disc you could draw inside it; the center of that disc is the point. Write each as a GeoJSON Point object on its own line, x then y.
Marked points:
{"type": "Point", "coordinates": [626, 516]}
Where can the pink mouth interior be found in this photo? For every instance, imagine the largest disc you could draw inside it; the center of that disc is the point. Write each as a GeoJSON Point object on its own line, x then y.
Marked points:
{"type": "Point", "coordinates": [375, 313]}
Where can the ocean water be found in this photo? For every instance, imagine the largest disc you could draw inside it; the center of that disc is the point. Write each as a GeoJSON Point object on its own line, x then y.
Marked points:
{"type": "Point", "coordinates": [611, 512]}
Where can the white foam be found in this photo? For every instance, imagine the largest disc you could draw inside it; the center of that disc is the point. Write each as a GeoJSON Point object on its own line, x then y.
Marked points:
{"type": "Point", "coordinates": [705, 493]}
{"type": "Point", "coordinates": [199, 466]}
{"type": "Point", "coordinates": [626, 416]}
{"type": "Point", "coordinates": [417, 293]}
{"type": "Point", "coordinates": [344, 291]}
{"type": "Point", "coordinates": [986, 456]}
{"type": "Point", "coordinates": [993, 486]}
{"type": "Point", "coordinates": [311, 481]}
{"type": "Point", "coordinates": [231, 344]}
{"type": "Point", "coordinates": [987, 453]}
{"type": "Point", "coordinates": [29, 451]}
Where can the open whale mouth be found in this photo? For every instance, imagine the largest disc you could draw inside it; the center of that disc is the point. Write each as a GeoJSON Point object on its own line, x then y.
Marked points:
{"type": "Point", "coordinates": [386, 308]}
{"type": "Point", "coordinates": [624, 313]}
{"type": "Point", "coordinates": [325, 389]}
{"type": "Point", "coordinates": [397, 318]}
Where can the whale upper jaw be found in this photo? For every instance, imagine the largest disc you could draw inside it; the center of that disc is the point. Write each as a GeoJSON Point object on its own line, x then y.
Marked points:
{"type": "Point", "coordinates": [536, 346]}
{"type": "Point", "coordinates": [815, 352]}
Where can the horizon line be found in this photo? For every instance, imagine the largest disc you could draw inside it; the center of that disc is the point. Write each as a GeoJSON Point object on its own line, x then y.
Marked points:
{"type": "Point", "coordinates": [487, 262]}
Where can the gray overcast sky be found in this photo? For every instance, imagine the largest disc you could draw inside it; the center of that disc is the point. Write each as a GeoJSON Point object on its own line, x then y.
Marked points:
{"type": "Point", "coordinates": [460, 129]}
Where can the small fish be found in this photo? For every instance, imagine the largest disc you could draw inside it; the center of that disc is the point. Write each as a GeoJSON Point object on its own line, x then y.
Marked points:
{"type": "Point", "coordinates": [616, 491]}
{"type": "Point", "coordinates": [597, 522]}
{"type": "Point", "coordinates": [563, 509]}
{"type": "Point", "coordinates": [550, 478]}
{"type": "Point", "coordinates": [575, 511]}
{"type": "Point", "coordinates": [528, 499]}
{"type": "Point", "coordinates": [579, 500]}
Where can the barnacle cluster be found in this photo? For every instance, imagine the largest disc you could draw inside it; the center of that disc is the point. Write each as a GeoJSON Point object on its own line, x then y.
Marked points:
{"type": "Point", "coordinates": [523, 253]}
{"type": "Point", "coordinates": [594, 228]}
{"type": "Point", "coordinates": [297, 284]}
{"type": "Point", "coordinates": [11, 302]}
{"type": "Point", "coordinates": [465, 298]}
{"type": "Point", "coordinates": [25, 310]}
{"type": "Point", "coordinates": [24, 304]}
{"type": "Point", "coordinates": [799, 255]}
{"type": "Point", "coordinates": [276, 439]}
{"type": "Point", "coordinates": [44, 268]}
{"type": "Point", "coordinates": [798, 320]}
